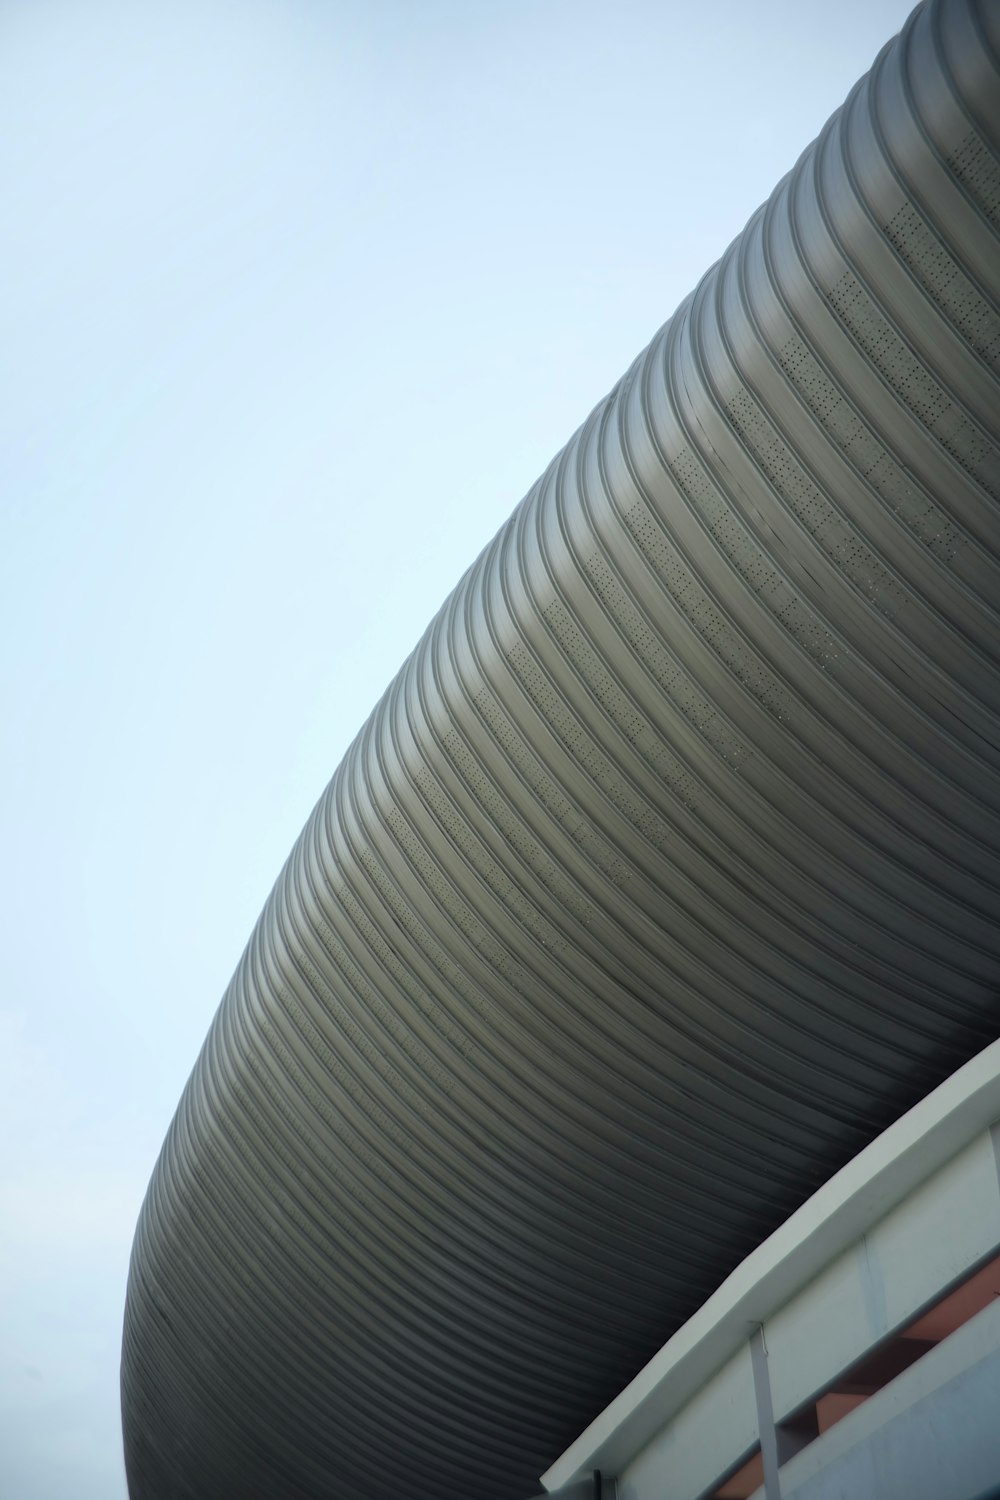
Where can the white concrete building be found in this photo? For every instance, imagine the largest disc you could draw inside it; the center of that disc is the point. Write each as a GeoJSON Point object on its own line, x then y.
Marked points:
{"type": "Point", "coordinates": [855, 1355]}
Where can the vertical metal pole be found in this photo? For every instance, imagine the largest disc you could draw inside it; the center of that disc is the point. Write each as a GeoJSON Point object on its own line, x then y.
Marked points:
{"type": "Point", "coordinates": [765, 1415]}
{"type": "Point", "coordinates": [995, 1140]}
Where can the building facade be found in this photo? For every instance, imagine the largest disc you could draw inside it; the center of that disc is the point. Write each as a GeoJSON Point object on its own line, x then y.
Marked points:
{"type": "Point", "coordinates": [856, 1353]}
{"type": "Point", "coordinates": [659, 884]}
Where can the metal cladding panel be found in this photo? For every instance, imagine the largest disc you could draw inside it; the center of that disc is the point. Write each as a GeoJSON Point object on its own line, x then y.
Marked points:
{"type": "Point", "coordinates": [661, 880]}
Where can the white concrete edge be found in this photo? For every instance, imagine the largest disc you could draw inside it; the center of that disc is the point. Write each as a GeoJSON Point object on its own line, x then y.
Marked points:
{"type": "Point", "coordinates": [835, 1217]}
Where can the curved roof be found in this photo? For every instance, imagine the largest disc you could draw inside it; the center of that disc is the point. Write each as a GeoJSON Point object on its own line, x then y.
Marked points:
{"type": "Point", "coordinates": [659, 882]}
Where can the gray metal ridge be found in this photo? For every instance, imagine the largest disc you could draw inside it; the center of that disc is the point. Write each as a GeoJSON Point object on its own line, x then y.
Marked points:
{"type": "Point", "coordinates": [660, 881]}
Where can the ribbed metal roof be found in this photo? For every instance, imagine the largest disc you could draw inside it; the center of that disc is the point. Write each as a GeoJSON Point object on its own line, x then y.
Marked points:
{"type": "Point", "coordinates": [662, 878]}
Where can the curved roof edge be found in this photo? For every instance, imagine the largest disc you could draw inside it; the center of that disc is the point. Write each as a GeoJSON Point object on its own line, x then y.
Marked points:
{"type": "Point", "coordinates": [879, 1177]}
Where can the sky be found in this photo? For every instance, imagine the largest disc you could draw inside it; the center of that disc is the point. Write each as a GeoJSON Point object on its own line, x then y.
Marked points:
{"type": "Point", "coordinates": [297, 298]}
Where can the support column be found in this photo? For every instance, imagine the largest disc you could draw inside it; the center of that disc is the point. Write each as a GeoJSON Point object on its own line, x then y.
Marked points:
{"type": "Point", "coordinates": [765, 1415]}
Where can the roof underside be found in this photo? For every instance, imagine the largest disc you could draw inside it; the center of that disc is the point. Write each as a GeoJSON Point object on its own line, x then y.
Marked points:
{"type": "Point", "coordinates": [660, 881]}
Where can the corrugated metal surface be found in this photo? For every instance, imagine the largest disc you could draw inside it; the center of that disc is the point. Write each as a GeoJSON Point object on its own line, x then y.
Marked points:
{"type": "Point", "coordinates": [662, 878]}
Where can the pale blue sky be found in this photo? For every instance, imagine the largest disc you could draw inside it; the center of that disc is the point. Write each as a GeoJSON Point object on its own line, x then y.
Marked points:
{"type": "Point", "coordinates": [297, 298]}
